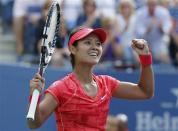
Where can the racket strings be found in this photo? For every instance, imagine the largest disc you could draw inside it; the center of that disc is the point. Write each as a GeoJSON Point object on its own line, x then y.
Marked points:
{"type": "Point", "coordinates": [52, 30]}
{"type": "Point", "coordinates": [50, 33]}
{"type": "Point", "coordinates": [48, 45]}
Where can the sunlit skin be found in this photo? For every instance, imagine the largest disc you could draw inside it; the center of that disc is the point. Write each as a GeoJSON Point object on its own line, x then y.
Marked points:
{"type": "Point", "coordinates": [91, 50]}
{"type": "Point", "coordinates": [87, 54]}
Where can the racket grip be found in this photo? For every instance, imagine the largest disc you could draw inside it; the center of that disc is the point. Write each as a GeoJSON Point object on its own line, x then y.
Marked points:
{"type": "Point", "coordinates": [33, 105]}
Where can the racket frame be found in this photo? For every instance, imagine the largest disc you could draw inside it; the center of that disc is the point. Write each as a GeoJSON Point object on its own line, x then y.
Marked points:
{"type": "Point", "coordinates": [44, 61]}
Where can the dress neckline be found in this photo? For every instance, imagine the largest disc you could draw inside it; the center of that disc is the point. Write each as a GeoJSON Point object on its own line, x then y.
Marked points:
{"type": "Point", "coordinates": [79, 86]}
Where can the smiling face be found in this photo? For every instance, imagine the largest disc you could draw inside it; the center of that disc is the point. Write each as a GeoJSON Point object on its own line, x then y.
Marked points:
{"type": "Point", "coordinates": [88, 50]}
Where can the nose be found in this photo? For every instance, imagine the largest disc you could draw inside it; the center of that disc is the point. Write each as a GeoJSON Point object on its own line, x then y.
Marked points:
{"type": "Point", "coordinates": [94, 46]}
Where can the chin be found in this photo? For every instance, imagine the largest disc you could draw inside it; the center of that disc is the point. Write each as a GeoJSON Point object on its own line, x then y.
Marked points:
{"type": "Point", "coordinates": [93, 62]}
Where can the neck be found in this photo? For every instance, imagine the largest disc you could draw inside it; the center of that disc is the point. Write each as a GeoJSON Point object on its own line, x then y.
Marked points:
{"type": "Point", "coordinates": [83, 73]}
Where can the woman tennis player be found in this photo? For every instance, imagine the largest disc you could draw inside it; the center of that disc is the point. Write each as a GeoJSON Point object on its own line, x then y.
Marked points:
{"type": "Point", "coordinates": [81, 99]}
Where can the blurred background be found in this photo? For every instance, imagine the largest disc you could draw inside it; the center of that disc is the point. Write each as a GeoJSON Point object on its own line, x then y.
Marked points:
{"type": "Point", "coordinates": [21, 27]}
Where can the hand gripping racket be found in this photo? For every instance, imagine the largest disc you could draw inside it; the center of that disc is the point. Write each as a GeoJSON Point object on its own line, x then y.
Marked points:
{"type": "Point", "coordinates": [50, 32]}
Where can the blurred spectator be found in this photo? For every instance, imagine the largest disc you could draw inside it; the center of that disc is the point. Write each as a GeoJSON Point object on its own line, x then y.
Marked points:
{"type": "Point", "coordinates": [112, 124]}
{"type": "Point", "coordinates": [6, 7]}
{"type": "Point", "coordinates": [126, 22]}
{"type": "Point", "coordinates": [39, 29]}
{"type": "Point", "coordinates": [117, 123]}
{"type": "Point", "coordinates": [71, 10]}
{"type": "Point", "coordinates": [106, 8]}
{"type": "Point", "coordinates": [154, 25]}
{"type": "Point", "coordinates": [25, 17]}
{"type": "Point", "coordinates": [174, 34]}
{"type": "Point", "coordinates": [112, 50]}
{"type": "Point", "coordinates": [140, 3]}
{"type": "Point", "coordinates": [122, 122]}
{"type": "Point", "coordinates": [61, 55]}
{"type": "Point", "coordinates": [61, 52]}
{"type": "Point", "coordinates": [165, 3]}
{"type": "Point", "coordinates": [89, 17]}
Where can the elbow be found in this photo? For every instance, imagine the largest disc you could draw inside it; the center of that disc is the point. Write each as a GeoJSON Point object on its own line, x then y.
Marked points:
{"type": "Point", "coordinates": [33, 125]}
{"type": "Point", "coordinates": [150, 95]}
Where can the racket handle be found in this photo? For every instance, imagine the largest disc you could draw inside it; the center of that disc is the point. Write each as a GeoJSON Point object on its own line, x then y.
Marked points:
{"type": "Point", "coordinates": [33, 105]}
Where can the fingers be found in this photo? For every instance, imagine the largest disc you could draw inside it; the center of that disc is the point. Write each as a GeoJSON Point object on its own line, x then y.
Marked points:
{"type": "Point", "coordinates": [38, 77]}
{"type": "Point", "coordinates": [137, 49]}
{"type": "Point", "coordinates": [37, 82]}
{"type": "Point", "coordinates": [139, 43]}
{"type": "Point", "coordinates": [37, 85]}
{"type": "Point", "coordinates": [140, 46]}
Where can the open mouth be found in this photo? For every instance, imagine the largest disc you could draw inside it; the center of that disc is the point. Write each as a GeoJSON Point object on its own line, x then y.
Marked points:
{"type": "Point", "coordinates": [93, 54]}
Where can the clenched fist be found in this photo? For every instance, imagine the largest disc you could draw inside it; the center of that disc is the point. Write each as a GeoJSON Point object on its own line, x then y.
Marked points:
{"type": "Point", "coordinates": [140, 46]}
{"type": "Point", "coordinates": [37, 83]}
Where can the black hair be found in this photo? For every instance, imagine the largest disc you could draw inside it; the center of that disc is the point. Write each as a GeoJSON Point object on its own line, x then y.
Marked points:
{"type": "Point", "coordinates": [72, 57]}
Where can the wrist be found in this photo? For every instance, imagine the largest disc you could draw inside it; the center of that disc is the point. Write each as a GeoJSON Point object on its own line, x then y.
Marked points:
{"type": "Point", "coordinates": [145, 60]}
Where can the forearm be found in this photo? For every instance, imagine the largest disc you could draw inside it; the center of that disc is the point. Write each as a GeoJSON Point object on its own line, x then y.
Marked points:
{"type": "Point", "coordinates": [38, 115]}
{"type": "Point", "coordinates": [43, 111]}
{"type": "Point", "coordinates": [146, 81]}
{"type": "Point", "coordinates": [144, 89]}
{"type": "Point", "coordinates": [37, 121]}
{"type": "Point", "coordinates": [45, 107]}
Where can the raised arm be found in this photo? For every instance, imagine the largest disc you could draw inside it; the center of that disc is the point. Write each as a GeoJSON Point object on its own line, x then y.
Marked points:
{"type": "Point", "coordinates": [45, 108]}
{"type": "Point", "coordinates": [144, 89]}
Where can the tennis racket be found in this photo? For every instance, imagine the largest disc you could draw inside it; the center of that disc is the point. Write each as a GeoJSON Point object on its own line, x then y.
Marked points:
{"type": "Point", "coordinates": [50, 32]}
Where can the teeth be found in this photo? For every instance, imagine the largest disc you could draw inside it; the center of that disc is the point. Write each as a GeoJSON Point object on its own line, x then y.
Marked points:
{"type": "Point", "coordinates": [93, 54]}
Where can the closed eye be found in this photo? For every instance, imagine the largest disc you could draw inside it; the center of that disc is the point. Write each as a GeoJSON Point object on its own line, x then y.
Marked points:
{"type": "Point", "coordinates": [87, 42]}
{"type": "Point", "coordinates": [98, 43]}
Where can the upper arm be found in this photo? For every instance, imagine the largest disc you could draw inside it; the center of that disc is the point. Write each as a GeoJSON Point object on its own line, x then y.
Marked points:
{"type": "Point", "coordinates": [47, 106]}
{"type": "Point", "coordinates": [127, 90]}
